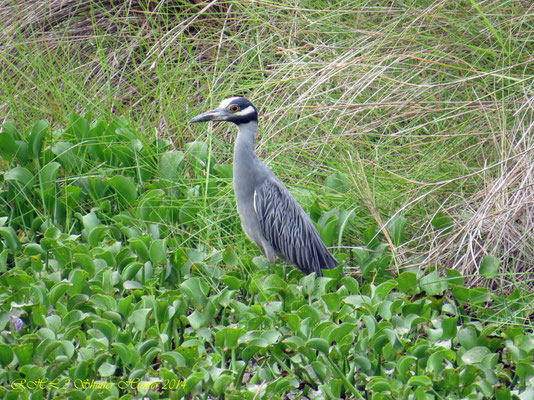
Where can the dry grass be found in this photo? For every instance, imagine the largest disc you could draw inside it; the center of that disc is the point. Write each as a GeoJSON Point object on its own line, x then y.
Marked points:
{"type": "Point", "coordinates": [497, 220]}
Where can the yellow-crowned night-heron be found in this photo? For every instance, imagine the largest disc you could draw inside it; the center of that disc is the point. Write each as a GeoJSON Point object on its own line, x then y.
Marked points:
{"type": "Point", "coordinates": [270, 215]}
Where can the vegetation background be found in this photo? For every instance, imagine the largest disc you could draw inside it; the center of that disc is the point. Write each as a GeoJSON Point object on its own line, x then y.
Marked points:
{"type": "Point", "coordinates": [403, 127]}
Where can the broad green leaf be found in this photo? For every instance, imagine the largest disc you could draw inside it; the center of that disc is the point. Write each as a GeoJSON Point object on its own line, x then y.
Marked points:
{"type": "Point", "coordinates": [124, 188]}
{"type": "Point", "coordinates": [475, 355]}
{"type": "Point", "coordinates": [67, 155]}
{"type": "Point", "coordinates": [203, 318]}
{"type": "Point", "coordinates": [196, 291]}
{"type": "Point", "coordinates": [139, 245]}
{"type": "Point", "coordinates": [433, 284]}
{"type": "Point", "coordinates": [378, 384]}
{"type": "Point", "coordinates": [158, 252]}
{"type": "Point", "coordinates": [328, 226]}
{"type": "Point", "coordinates": [198, 149]}
{"type": "Point", "coordinates": [396, 230]}
{"type": "Point", "coordinates": [107, 328]}
{"type": "Point", "coordinates": [106, 369]}
{"type": "Point", "coordinates": [322, 371]}
{"type": "Point", "coordinates": [8, 143]}
{"type": "Point", "coordinates": [149, 204]}
{"type": "Point", "coordinates": [131, 270]}
{"type": "Point", "coordinates": [489, 267]}
{"type": "Point", "coordinates": [450, 328]}
{"type": "Point", "coordinates": [37, 136]}
{"type": "Point", "coordinates": [20, 175]}
{"type": "Point", "coordinates": [170, 166]}
{"type": "Point", "coordinates": [351, 284]}
{"type": "Point", "coordinates": [407, 282]}
{"type": "Point", "coordinates": [79, 126]}
{"type": "Point", "coordinates": [420, 380]}
{"type": "Point", "coordinates": [228, 337]}
{"type": "Point", "coordinates": [145, 346]}
{"type": "Point", "coordinates": [10, 237]}
{"type": "Point", "coordinates": [221, 384]}
{"type": "Point", "coordinates": [6, 355]}
{"type": "Point", "coordinates": [454, 277]}
{"type": "Point", "coordinates": [24, 353]}
{"type": "Point", "coordinates": [341, 331]}
{"type": "Point", "coordinates": [139, 318]}
{"type": "Point", "coordinates": [48, 175]}
{"type": "Point", "coordinates": [230, 257]}
{"type": "Point", "coordinates": [442, 222]}
{"type": "Point", "coordinates": [188, 213]}
{"type": "Point", "coordinates": [59, 290]}
{"type": "Point", "coordinates": [338, 182]}
{"type": "Point", "coordinates": [318, 344]}
{"type": "Point", "coordinates": [467, 337]}
{"type": "Point", "coordinates": [404, 365]}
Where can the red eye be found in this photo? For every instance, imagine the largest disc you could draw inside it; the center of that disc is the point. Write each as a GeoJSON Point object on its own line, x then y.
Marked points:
{"type": "Point", "coordinates": [234, 108]}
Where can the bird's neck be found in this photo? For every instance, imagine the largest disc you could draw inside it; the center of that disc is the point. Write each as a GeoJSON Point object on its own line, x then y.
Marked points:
{"type": "Point", "coordinates": [244, 144]}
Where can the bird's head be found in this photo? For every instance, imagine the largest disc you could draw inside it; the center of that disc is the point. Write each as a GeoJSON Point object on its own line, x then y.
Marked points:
{"type": "Point", "coordinates": [234, 109]}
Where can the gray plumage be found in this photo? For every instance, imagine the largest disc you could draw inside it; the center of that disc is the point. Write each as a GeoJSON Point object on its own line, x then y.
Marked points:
{"type": "Point", "coordinates": [270, 215]}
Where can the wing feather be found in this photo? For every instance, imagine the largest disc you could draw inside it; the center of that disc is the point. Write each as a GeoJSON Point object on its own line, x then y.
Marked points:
{"type": "Point", "coordinates": [289, 229]}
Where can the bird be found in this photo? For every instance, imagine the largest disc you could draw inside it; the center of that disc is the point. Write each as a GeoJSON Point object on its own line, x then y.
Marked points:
{"type": "Point", "coordinates": [270, 215]}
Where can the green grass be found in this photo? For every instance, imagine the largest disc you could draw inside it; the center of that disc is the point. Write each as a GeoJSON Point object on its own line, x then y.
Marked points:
{"type": "Point", "coordinates": [404, 130]}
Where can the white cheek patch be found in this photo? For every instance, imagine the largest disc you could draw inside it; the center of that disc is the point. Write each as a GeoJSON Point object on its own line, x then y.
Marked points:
{"type": "Point", "coordinates": [246, 111]}
{"type": "Point", "coordinates": [226, 102]}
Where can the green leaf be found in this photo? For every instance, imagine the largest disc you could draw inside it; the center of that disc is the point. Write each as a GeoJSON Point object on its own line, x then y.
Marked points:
{"type": "Point", "coordinates": [396, 230]}
{"type": "Point", "coordinates": [442, 222]}
{"type": "Point", "coordinates": [106, 369]}
{"type": "Point", "coordinates": [467, 337]}
{"type": "Point", "coordinates": [124, 188]}
{"type": "Point", "coordinates": [6, 355]}
{"type": "Point", "coordinates": [20, 175]}
{"type": "Point", "coordinates": [420, 380]}
{"type": "Point", "coordinates": [170, 167]}
{"type": "Point", "coordinates": [58, 290]}
{"type": "Point", "coordinates": [196, 291]}
{"type": "Point", "coordinates": [24, 353]}
{"type": "Point", "coordinates": [198, 149]}
{"type": "Point", "coordinates": [433, 284]}
{"type": "Point", "coordinates": [79, 126]}
{"type": "Point", "coordinates": [139, 245]}
{"type": "Point", "coordinates": [338, 182]}
{"type": "Point", "coordinates": [228, 337]}
{"type": "Point", "coordinates": [8, 143]}
{"type": "Point", "coordinates": [407, 282]}
{"type": "Point", "coordinates": [201, 319]}
{"type": "Point", "coordinates": [48, 175]}
{"type": "Point", "coordinates": [318, 344]}
{"type": "Point", "coordinates": [404, 365]}
{"type": "Point", "coordinates": [475, 355]}
{"type": "Point", "coordinates": [450, 328]}
{"type": "Point", "coordinates": [188, 213]}
{"type": "Point", "coordinates": [221, 384]}
{"type": "Point", "coordinates": [378, 384]}
{"type": "Point", "coordinates": [131, 270]}
{"type": "Point", "coordinates": [11, 239]}
{"type": "Point", "coordinates": [351, 284]}
{"type": "Point", "coordinates": [337, 334]}
{"type": "Point", "coordinates": [158, 252]}
{"type": "Point", "coordinates": [37, 136]}
{"type": "Point", "coordinates": [489, 267]}
{"type": "Point", "coordinates": [139, 318]}
{"type": "Point", "coordinates": [328, 226]}
{"type": "Point", "coordinates": [67, 155]}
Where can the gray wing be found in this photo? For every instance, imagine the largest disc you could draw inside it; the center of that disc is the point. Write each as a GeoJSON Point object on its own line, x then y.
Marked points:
{"type": "Point", "coordinates": [289, 230]}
